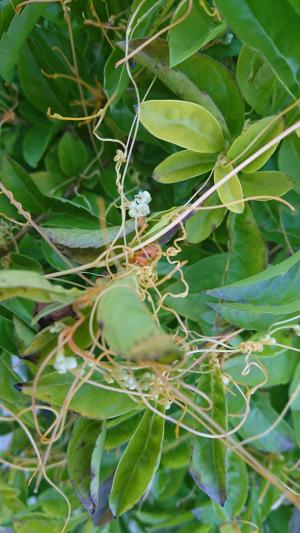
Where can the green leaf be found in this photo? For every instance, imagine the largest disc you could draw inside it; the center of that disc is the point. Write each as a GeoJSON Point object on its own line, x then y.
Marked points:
{"type": "Point", "coordinates": [16, 180]}
{"type": "Point", "coordinates": [121, 430]}
{"type": "Point", "coordinates": [237, 485]}
{"type": "Point", "coordinates": [115, 80]}
{"type": "Point", "coordinates": [200, 79]}
{"type": "Point", "coordinates": [259, 86]}
{"type": "Point", "coordinates": [176, 454]}
{"type": "Point", "coordinates": [208, 461]}
{"type": "Point", "coordinates": [183, 123]}
{"type": "Point", "coordinates": [289, 159]}
{"type": "Point", "coordinates": [265, 183]}
{"type": "Point", "coordinates": [231, 191]}
{"type": "Point", "coordinates": [295, 406]}
{"type": "Point", "coordinates": [261, 417]}
{"type": "Point", "coordinates": [13, 41]}
{"type": "Point", "coordinates": [252, 139]}
{"type": "Point", "coordinates": [96, 461]}
{"type": "Point", "coordinates": [193, 33]}
{"type": "Point", "coordinates": [256, 317]}
{"type": "Point", "coordinates": [200, 226]}
{"type": "Point", "coordinates": [200, 276]}
{"type": "Point", "coordinates": [183, 165]}
{"type": "Point", "coordinates": [276, 285]}
{"type": "Point", "coordinates": [138, 464]}
{"type": "Point", "coordinates": [167, 483]}
{"type": "Point", "coordinates": [7, 336]}
{"type": "Point", "coordinates": [89, 401]}
{"type": "Point", "coordinates": [251, 21]}
{"type": "Point", "coordinates": [79, 457]}
{"type": "Point", "coordinates": [37, 140]}
{"type": "Point", "coordinates": [244, 240]}
{"type": "Point", "coordinates": [23, 262]}
{"type": "Point", "coordinates": [33, 286]}
{"type": "Point", "coordinates": [72, 155]}
{"type": "Point", "coordinates": [279, 364]}
{"type": "Point", "coordinates": [86, 238]}
{"type": "Point", "coordinates": [133, 333]}
{"type": "Point", "coordinates": [37, 57]}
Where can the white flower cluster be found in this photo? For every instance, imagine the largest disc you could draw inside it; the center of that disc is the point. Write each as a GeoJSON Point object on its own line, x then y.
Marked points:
{"type": "Point", "coordinates": [139, 207]}
{"type": "Point", "coordinates": [63, 364]}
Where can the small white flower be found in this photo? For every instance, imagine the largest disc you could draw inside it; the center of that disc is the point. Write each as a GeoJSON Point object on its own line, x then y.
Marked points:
{"type": "Point", "coordinates": [138, 210]}
{"type": "Point", "coordinates": [139, 207]}
{"type": "Point", "coordinates": [62, 363]}
{"type": "Point", "coordinates": [143, 197]}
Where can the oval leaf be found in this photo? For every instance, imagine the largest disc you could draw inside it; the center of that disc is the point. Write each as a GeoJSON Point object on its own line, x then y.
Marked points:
{"type": "Point", "coordinates": [253, 138]}
{"type": "Point", "coordinates": [265, 183]}
{"type": "Point", "coordinates": [183, 165]}
{"type": "Point", "coordinates": [186, 124]}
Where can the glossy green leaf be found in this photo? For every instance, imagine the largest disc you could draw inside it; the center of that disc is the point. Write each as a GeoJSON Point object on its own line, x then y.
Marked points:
{"type": "Point", "coordinates": [133, 333]}
{"type": "Point", "coordinates": [15, 38]}
{"type": "Point", "coordinates": [251, 21]}
{"type": "Point", "coordinates": [72, 155]}
{"type": "Point", "coordinates": [259, 85]}
{"type": "Point", "coordinates": [208, 460]}
{"type": "Point", "coordinates": [33, 286]}
{"type": "Point", "coordinates": [183, 165]}
{"type": "Point", "coordinates": [265, 183]}
{"type": "Point", "coordinates": [183, 123]}
{"type": "Point", "coordinates": [193, 33]}
{"type": "Point", "coordinates": [79, 457]}
{"type": "Point", "coordinates": [89, 401]}
{"type": "Point", "coordinates": [251, 139]}
{"type": "Point", "coordinates": [244, 239]}
{"type": "Point", "coordinates": [237, 485]}
{"type": "Point", "coordinates": [277, 285]}
{"type": "Point", "coordinates": [261, 417]}
{"type": "Point", "coordinates": [86, 238]}
{"type": "Point", "coordinates": [138, 464]}
{"type": "Point", "coordinates": [289, 159]}
{"type": "Point", "coordinates": [231, 191]}
{"type": "Point", "coordinates": [204, 222]}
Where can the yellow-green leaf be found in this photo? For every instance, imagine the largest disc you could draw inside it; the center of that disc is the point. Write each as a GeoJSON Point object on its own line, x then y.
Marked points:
{"type": "Point", "coordinates": [231, 191]}
{"type": "Point", "coordinates": [252, 139]}
{"type": "Point", "coordinates": [183, 123]}
{"type": "Point", "coordinates": [183, 165]}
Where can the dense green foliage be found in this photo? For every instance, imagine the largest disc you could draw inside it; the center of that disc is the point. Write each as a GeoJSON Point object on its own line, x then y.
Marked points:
{"type": "Point", "coordinates": [150, 266]}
